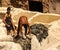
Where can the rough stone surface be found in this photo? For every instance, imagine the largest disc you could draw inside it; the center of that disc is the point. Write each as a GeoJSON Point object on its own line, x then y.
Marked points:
{"type": "Point", "coordinates": [52, 42]}
{"type": "Point", "coordinates": [10, 46]}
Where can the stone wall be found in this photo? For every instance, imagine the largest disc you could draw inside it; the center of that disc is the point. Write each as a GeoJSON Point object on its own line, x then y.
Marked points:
{"type": "Point", "coordinates": [45, 6]}
{"type": "Point", "coordinates": [5, 2]}
{"type": "Point", "coordinates": [15, 3]}
{"type": "Point", "coordinates": [49, 6]}
{"type": "Point", "coordinates": [54, 6]}
{"type": "Point", "coordinates": [20, 4]}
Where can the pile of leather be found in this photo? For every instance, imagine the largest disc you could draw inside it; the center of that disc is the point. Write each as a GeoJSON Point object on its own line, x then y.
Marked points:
{"type": "Point", "coordinates": [40, 31]}
{"type": "Point", "coordinates": [25, 43]}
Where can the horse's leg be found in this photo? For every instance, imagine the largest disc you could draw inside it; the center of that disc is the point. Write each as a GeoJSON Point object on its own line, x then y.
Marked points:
{"type": "Point", "coordinates": [26, 31]}
{"type": "Point", "coordinates": [18, 30]}
{"type": "Point", "coordinates": [21, 30]}
{"type": "Point", "coordinates": [22, 34]}
{"type": "Point", "coordinates": [25, 26]}
{"type": "Point", "coordinates": [28, 28]}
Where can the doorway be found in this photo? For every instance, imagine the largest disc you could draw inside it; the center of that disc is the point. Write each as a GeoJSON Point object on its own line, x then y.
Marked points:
{"type": "Point", "coordinates": [35, 6]}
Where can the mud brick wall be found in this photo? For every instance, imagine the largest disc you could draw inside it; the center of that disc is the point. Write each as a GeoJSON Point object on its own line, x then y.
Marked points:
{"type": "Point", "coordinates": [54, 6]}
{"type": "Point", "coordinates": [49, 6]}
{"type": "Point", "coordinates": [5, 2]}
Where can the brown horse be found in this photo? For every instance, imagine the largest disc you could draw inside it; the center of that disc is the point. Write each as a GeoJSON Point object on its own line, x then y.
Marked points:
{"type": "Point", "coordinates": [23, 21]}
